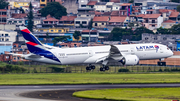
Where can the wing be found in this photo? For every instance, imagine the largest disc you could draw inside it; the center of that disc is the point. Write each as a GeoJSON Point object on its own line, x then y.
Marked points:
{"type": "Point", "coordinates": [25, 55]}
{"type": "Point", "coordinates": [114, 54]}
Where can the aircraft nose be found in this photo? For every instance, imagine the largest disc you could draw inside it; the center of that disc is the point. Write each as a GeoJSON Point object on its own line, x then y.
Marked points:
{"type": "Point", "coordinates": [171, 53]}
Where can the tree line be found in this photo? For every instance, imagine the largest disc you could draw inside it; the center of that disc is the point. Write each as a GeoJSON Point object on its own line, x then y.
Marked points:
{"type": "Point", "coordinates": [175, 29]}
{"type": "Point", "coordinates": [135, 35]}
{"type": "Point", "coordinates": [117, 34]}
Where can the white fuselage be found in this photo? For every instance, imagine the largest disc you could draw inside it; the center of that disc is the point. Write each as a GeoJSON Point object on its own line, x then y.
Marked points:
{"type": "Point", "coordinates": [90, 55]}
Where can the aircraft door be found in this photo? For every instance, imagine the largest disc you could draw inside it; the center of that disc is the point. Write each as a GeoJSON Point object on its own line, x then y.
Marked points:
{"type": "Point", "coordinates": [90, 53]}
{"type": "Point", "coordinates": [132, 51]}
{"type": "Point", "coordinates": [161, 50]}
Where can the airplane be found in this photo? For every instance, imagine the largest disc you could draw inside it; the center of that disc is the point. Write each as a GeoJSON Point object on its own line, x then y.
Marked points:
{"type": "Point", "coordinates": [129, 54]}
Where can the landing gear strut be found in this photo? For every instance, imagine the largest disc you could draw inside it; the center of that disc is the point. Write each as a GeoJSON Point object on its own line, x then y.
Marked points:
{"type": "Point", "coordinates": [90, 67]}
{"type": "Point", "coordinates": [104, 68]}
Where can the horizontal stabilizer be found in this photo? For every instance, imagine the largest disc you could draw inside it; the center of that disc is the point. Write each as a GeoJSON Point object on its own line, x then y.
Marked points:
{"type": "Point", "coordinates": [13, 54]}
{"type": "Point", "coordinates": [25, 56]}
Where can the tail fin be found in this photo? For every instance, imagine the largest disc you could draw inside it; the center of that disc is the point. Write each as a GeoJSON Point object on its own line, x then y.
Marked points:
{"type": "Point", "coordinates": [33, 44]}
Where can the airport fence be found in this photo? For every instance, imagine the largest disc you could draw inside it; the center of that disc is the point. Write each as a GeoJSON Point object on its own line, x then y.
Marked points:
{"type": "Point", "coordinates": [130, 69]}
{"type": "Point", "coordinates": [34, 67]}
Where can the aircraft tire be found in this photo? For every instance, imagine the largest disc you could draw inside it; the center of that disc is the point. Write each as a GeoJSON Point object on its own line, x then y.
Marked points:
{"type": "Point", "coordinates": [88, 68]}
{"type": "Point", "coordinates": [102, 69]}
{"type": "Point", "coordinates": [93, 67]}
{"type": "Point", "coordinates": [106, 67]}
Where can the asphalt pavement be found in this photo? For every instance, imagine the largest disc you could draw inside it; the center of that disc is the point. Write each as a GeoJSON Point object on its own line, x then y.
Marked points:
{"type": "Point", "coordinates": [14, 93]}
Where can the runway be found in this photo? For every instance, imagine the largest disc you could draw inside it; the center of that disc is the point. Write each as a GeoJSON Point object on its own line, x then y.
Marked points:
{"type": "Point", "coordinates": [12, 93]}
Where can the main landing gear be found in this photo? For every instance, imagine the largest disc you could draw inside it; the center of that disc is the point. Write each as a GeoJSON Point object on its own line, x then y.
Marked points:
{"type": "Point", "coordinates": [90, 67]}
{"type": "Point", "coordinates": [104, 68]}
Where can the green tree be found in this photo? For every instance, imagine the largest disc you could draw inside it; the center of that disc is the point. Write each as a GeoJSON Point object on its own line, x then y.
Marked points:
{"type": "Point", "coordinates": [54, 9]}
{"type": "Point", "coordinates": [177, 1]}
{"type": "Point", "coordinates": [178, 8]}
{"type": "Point", "coordinates": [131, 25]}
{"type": "Point", "coordinates": [59, 39]}
{"type": "Point", "coordinates": [175, 29]}
{"type": "Point", "coordinates": [47, 35]}
{"type": "Point", "coordinates": [142, 29]}
{"type": "Point", "coordinates": [30, 18]}
{"type": "Point", "coordinates": [163, 30]}
{"type": "Point", "coordinates": [76, 35]}
{"type": "Point", "coordinates": [3, 4]}
{"type": "Point", "coordinates": [118, 33]}
{"type": "Point", "coordinates": [90, 24]}
{"type": "Point", "coordinates": [131, 1]}
{"type": "Point", "coordinates": [137, 35]}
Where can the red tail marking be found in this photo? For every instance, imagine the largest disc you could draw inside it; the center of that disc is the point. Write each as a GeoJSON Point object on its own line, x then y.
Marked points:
{"type": "Point", "coordinates": [26, 30]}
{"type": "Point", "coordinates": [31, 43]}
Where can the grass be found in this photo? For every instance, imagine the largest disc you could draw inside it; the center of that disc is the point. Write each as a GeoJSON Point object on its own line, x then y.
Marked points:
{"type": "Point", "coordinates": [87, 78]}
{"type": "Point", "coordinates": [43, 68]}
{"type": "Point", "coordinates": [132, 94]}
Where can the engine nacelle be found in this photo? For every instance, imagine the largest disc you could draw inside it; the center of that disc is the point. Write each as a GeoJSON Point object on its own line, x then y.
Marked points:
{"type": "Point", "coordinates": [130, 60]}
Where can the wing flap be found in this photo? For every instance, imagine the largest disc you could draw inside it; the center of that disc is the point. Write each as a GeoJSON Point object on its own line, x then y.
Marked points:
{"type": "Point", "coordinates": [114, 54]}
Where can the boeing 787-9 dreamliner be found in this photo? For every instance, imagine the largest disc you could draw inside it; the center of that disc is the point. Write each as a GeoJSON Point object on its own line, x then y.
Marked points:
{"type": "Point", "coordinates": [125, 54]}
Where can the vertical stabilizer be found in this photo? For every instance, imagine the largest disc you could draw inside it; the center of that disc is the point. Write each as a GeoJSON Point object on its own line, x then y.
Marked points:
{"type": "Point", "coordinates": [33, 44]}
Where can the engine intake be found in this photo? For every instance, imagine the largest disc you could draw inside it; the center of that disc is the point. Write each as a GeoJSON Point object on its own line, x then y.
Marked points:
{"type": "Point", "coordinates": [130, 60]}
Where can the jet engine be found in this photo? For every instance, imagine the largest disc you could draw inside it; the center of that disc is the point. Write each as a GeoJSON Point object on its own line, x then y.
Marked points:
{"type": "Point", "coordinates": [130, 60]}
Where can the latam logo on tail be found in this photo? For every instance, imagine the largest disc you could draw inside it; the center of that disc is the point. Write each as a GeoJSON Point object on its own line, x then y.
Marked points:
{"type": "Point", "coordinates": [148, 47]}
